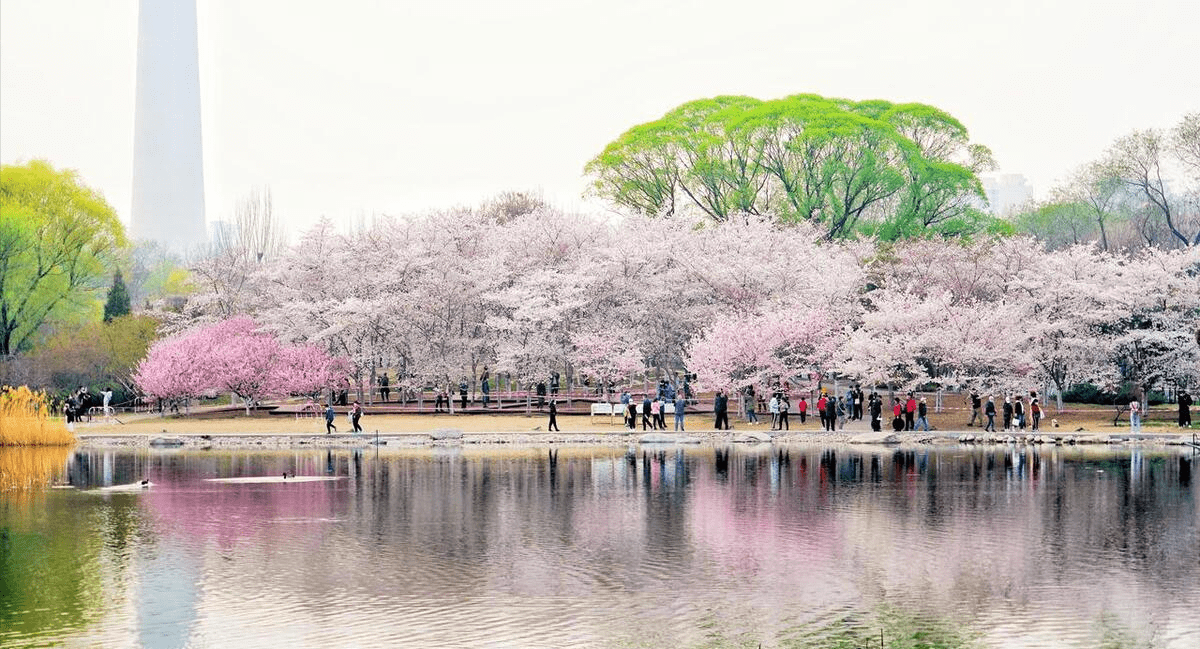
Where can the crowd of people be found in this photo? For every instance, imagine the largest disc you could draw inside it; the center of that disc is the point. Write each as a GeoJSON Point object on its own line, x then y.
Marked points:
{"type": "Point", "coordinates": [1017, 412]}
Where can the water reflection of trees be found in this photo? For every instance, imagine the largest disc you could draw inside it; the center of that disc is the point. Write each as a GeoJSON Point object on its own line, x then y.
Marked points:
{"type": "Point", "coordinates": [973, 527]}
{"type": "Point", "coordinates": [58, 549]}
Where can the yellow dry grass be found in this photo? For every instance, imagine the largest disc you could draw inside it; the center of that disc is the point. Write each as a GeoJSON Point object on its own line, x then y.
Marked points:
{"type": "Point", "coordinates": [25, 420]}
{"type": "Point", "coordinates": [25, 468]}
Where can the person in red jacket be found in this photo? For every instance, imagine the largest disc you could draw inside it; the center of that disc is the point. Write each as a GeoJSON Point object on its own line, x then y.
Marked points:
{"type": "Point", "coordinates": [821, 410]}
{"type": "Point", "coordinates": [803, 408]}
{"type": "Point", "coordinates": [910, 409]}
{"type": "Point", "coordinates": [898, 414]}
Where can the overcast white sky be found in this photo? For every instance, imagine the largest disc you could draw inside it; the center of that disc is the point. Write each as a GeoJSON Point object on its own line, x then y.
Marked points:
{"type": "Point", "coordinates": [356, 107]}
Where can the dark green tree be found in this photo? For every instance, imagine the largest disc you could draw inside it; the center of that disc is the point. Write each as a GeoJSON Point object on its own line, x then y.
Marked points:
{"type": "Point", "coordinates": [117, 304]}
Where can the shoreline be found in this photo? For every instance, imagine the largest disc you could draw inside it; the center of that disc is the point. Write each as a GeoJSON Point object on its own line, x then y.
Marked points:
{"type": "Point", "coordinates": [457, 437]}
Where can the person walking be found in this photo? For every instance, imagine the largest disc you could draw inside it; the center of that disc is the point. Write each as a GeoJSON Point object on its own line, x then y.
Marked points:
{"type": "Point", "coordinates": [356, 412]}
{"type": "Point", "coordinates": [784, 406]}
{"type": "Point", "coordinates": [1135, 416]}
{"type": "Point", "coordinates": [831, 413]}
{"type": "Point", "coordinates": [631, 415]}
{"type": "Point", "coordinates": [1019, 414]}
{"type": "Point", "coordinates": [1008, 414]}
{"type": "Point", "coordinates": [842, 409]}
{"type": "Point", "coordinates": [329, 426]}
{"type": "Point", "coordinates": [859, 404]}
{"type": "Point", "coordinates": [646, 415]}
{"type": "Point", "coordinates": [821, 410]}
{"type": "Point", "coordinates": [990, 411]}
{"type": "Point", "coordinates": [680, 406]}
{"type": "Point", "coordinates": [1035, 411]}
{"type": "Point", "coordinates": [922, 415]}
{"type": "Point", "coordinates": [462, 392]}
{"type": "Point", "coordinates": [975, 405]}
{"type": "Point", "coordinates": [802, 408]}
{"type": "Point", "coordinates": [553, 425]}
{"type": "Point", "coordinates": [384, 390]}
{"type": "Point", "coordinates": [1185, 409]}
{"type": "Point", "coordinates": [721, 410]}
{"type": "Point", "coordinates": [774, 409]}
{"type": "Point", "coordinates": [910, 413]}
{"type": "Point", "coordinates": [656, 408]}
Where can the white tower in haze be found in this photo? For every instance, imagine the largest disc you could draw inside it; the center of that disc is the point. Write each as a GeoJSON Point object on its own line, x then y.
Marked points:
{"type": "Point", "coordinates": [168, 171]}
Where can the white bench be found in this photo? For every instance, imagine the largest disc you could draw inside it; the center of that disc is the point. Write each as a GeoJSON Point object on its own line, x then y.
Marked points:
{"type": "Point", "coordinates": [603, 409]}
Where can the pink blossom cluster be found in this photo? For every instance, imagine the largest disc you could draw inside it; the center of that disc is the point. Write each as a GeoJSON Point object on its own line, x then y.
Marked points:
{"type": "Point", "coordinates": [435, 298]}
{"type": "Point", "coordinates": [237, 356]}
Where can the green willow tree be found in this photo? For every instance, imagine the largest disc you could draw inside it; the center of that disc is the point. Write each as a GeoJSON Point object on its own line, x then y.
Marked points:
{"type": "Point", "coordinates": [57, 239]}
{"type": "Point", "coordinates": [890, 169]}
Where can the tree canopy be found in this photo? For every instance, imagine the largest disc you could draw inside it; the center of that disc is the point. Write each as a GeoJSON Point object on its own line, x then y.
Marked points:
{"type": "Point", "coordinates": [889, 169]}
{"type": "Point", "coordinates": [117, 303]}
{"type": "Point", "coordinates": [58, 238]}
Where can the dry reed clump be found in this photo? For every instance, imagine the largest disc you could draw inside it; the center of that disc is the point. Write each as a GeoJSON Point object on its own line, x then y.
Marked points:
{"type": "Point", "coordinates": [26, 469]}
{"type": "Point", "coordinates": [25, 420]}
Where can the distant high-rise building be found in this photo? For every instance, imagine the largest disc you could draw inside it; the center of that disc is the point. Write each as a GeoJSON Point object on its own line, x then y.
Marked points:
{"type": "Point", "coordinates": [1006, 193]}
{"type": "Point", "coordinates": [168, 170]}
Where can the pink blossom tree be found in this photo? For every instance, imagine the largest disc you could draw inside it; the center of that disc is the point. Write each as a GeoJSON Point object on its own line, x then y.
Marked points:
{"type": "Point", "coordinates": [170, 371]}
{"type": "Point", "coordinates": [606, 357]}
{"type": "Point", "coordinates": [307, 370]}
{"type": "Point", "coordinates": [794, 344]}
{"type": "Point", "coordinates": [238, 356]}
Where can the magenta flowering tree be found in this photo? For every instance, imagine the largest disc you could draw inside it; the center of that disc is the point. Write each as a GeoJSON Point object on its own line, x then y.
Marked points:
{"type": "Point", "coordinates": [170, 371]}
{"type": "Point", "coordinates": [242, 360]}
{"type": "Point", "coordinates": [307, 370]}
{"type": "Point", "coordinates": [238, 356]}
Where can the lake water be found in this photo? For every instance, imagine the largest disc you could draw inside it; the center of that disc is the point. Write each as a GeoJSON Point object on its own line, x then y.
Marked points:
{"type": "Point", "coordinates": [799, 546]}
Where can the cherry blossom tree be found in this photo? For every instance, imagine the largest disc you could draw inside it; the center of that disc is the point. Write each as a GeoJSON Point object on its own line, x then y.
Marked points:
{"type": "Point", "coordinates": [171, 370]}
{"type": "Point", "coordinates": [792, 345]}
{"type": "Point", "coordinates": [234, 355]}
{"type": "Point", "coordinates": [435, 297]}
{"type": "Point", "coordinates": [307, 370]}
{"type": "Point", "coordinates": [606, 357]}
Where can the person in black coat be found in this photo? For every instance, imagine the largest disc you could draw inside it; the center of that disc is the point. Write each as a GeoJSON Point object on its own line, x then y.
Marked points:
{"type": "Point", "coordinates": [721, 409]}
{"type": "Point", "coordinates": [553, 415]}
{"type": "Point", "coordinates": [876, 412]}
{"type": "Point", "coordinates": [990, 411]}
{"type": "Point", "coordinates": [830, 413]}
{"type": "Point", "coordinates": [646, 421]}
{"type": "Point", "coordinates": [1185, 412]}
